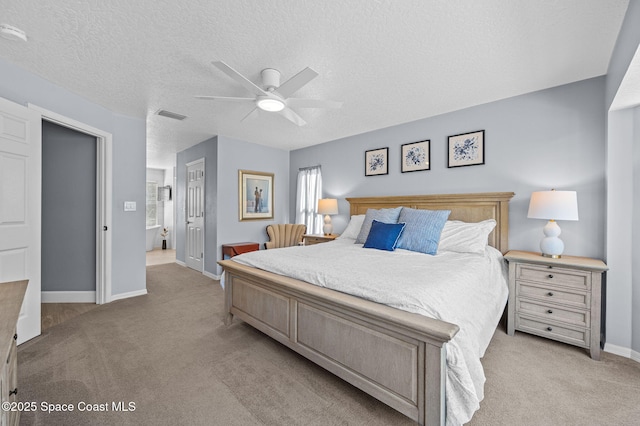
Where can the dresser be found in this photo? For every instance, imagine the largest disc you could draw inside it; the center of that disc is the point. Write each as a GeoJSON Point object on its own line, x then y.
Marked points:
{"type": "Point", "coordinates": [559, 299]}
{"type": "Point", "coordinates": [311, 239]}
{"type": "Point", "coordinates": [11, 296]}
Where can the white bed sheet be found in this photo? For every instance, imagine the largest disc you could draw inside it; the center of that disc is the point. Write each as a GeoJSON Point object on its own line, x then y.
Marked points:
{"type": "Point", "coordinates": [466, 289]}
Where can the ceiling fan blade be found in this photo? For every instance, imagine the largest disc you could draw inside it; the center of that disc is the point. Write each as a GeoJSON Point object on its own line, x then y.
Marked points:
{"type": "Point", "coordinates": [248, 84]}
{"type": "Point", "coordinates": [313, 103]}
{"type": "Point", "coordinates": [252, 113]}
{"type": "Point", "coordinates": [224, 98]}
{"type": "Point", "coordinates": [290, 86]}
{"type": "Point", "coordinates": [290, 115]}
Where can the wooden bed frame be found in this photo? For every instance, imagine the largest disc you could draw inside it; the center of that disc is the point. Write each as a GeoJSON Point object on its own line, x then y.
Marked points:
{"type": "Point", "coordinates": [395, 356]}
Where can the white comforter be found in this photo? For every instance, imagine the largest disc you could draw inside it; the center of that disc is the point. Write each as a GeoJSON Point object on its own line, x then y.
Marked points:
{"type": "Point", "coordinates": [466, 289]}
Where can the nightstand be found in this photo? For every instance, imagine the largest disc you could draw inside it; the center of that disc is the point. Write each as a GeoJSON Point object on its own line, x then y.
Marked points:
{"type": "Point", "coordinates": [234, 249]}
{"type": "Point", "coordinates": [559, 299]}
{"type": "Point", "coordinates": [311, 239]}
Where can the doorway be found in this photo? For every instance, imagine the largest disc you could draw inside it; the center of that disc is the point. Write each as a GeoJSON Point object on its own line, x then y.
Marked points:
{"type": "Point", "coordinates": [68, 241]}
{"type": "Point", "coordinates": [103, 198]}
{"type": "Point", "coordinates": [194, 250]}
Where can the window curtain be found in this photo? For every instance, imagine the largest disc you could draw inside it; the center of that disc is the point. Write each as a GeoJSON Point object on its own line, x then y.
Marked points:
{"type": "Point", "coordinates": [308, 194]}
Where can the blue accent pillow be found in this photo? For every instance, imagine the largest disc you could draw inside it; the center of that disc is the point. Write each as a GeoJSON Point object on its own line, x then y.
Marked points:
{"type": "Point", "coordinates": [422, 230]}
{"type": "Point", "coordinates": [381, 215]}
{"type": "Point", "coordinates": [384, 236]}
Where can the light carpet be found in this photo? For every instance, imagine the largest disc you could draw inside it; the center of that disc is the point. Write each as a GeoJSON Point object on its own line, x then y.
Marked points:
{"type": "Point", "coordinates": [170, 355]}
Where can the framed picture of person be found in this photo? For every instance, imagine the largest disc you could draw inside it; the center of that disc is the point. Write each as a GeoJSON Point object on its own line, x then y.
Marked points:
{"type": "Point", "coordinates": [255, 195]}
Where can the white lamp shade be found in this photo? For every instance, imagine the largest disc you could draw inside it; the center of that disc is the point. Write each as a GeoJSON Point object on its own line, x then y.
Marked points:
{"type": "Point", "coordinates": [328, 206]}
{"type": "Point", "coordinates": [554, 205]}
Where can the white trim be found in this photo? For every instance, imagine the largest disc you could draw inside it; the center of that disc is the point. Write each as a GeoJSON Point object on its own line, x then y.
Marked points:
{"type": "Point", "coordinates": [210, 275]}
{"type": "Point", "coordinates": [635, 356]}
{"type": "Point", "coordinates": [617, 350]}
{"type": "Point", "coordinates": [181, 263]}
{"type": "Point", "coordinates": [129, 294]}
{"type": "Point", "coordinates": [68, 297]}
{"type": "Point", "coordinates": [104, 189]}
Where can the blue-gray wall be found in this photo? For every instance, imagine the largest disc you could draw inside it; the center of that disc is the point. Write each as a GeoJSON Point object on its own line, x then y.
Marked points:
{"type": "Point", "coordinates": [623, 216]}
{"type": "Point", "coordinates": [129, 164]}
{"type": "Point", "coordinates": [68, 208]}
{"type": "Point", "coordinates": [548, 139]}
{"type": "Point", "coordinates": [237, 155]}
{"type": "Point", "coordinates": [224, 157]}
{"type": "Point", "coordinates": [209, 151]}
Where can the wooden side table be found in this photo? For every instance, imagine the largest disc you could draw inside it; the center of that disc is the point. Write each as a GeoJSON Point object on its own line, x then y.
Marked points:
{"type": "Point", "coordinates": [558, 299]}
{"type": "Point", "coordinates": [311, 239]}
{"type": "Point", "coordinates": [234, 249]}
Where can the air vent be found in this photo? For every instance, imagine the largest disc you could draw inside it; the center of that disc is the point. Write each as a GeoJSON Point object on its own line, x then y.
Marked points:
{"type": "Point", "coordinates": [170, 114]}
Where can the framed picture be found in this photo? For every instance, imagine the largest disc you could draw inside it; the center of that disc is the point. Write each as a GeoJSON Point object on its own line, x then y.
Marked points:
{"type": "Point", "coordinates": [255, 195]}
{"type": "Point", "coordinates": [416, 156]}
{"type": "Point", "coordinates": [466, 149]}
{"type": "Point", "coordinates": [376, 162]}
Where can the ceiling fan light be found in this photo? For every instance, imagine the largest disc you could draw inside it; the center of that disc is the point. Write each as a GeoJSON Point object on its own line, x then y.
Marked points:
{"type": "Point", "coordinates": [270, 104]}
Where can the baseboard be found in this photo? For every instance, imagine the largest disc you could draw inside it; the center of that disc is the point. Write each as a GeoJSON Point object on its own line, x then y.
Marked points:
{"type": "Point", "coordinates": [115, 297]}
{"type": "Point", "coordinates": [621, 351]}
{"type": "Point", "coordinates": [181, 263]}
{"type": "Point", "coordinates": [68, 297]}
{"type": "Point", "coordinates": [210, 275]}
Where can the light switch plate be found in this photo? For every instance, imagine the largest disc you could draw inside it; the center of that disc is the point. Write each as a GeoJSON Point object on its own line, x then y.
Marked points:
{"type": "Point", "coordinates": [129, 206]}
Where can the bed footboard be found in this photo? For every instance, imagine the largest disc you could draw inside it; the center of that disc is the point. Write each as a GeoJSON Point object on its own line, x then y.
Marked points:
{"type": "Point", "coordinates": [395, 356]}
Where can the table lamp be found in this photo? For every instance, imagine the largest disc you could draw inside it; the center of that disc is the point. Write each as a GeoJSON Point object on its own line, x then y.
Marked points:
{"type": "Point", "coordinates": [327, 206]}
{"type": "Point", "coordinates": [553, 205]}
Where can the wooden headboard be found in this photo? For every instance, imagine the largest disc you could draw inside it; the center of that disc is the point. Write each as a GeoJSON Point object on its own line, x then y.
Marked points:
{"type": "Point", "coordinates": [464, 207]}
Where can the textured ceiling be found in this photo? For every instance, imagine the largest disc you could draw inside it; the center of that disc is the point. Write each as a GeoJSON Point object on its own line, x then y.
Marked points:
{"type": "Point", "coordinates": [390, 62]}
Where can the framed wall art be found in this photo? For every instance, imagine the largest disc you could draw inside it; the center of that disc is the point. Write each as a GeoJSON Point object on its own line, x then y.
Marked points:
{"type": "Point", "coordinates": [376, 162]}
{"type": "Point", "coordinates": [255, 195]}
{"type": "Point", "coordinates": [416, 156]}
{"type": "Point", "coordinates": [466, 149]}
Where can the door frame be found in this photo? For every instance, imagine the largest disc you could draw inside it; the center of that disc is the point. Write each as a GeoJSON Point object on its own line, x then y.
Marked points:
{"type": "Point", "coordinates": [104, 189]}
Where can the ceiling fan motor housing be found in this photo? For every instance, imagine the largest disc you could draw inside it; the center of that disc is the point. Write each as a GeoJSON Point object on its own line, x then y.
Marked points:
{"type": "Point", "coordinates": [270, 79]}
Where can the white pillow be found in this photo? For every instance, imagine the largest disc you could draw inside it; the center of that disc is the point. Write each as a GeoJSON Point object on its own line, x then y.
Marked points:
{"type": "Point", "coordinates": [353, 228]}
{"type": "Point", "coordinates": [464, 237]}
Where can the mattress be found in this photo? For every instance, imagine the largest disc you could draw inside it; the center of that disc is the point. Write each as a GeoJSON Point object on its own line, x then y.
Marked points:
{"type": "Point", "coordinates": [466, 289]}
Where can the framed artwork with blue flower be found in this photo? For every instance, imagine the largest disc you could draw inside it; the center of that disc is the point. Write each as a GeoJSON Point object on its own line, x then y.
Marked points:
{"type": "Point", "coordinates": [416, 156]}
{"type": "Point", "coordinates": [466, 149]}
{"type": "Point", "coordinates": [376, 162]}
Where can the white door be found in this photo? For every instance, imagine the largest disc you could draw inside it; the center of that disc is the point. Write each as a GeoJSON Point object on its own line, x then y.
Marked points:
{"type": "Point", "coordinates": [195, 215]}
{"type": "Point", "coordinates": [20, 204]}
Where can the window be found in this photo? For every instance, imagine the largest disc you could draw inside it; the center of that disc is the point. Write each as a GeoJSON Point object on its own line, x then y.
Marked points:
{"type": "Point", "coordinates": [308, 194]}
{"type": "Point", "coordinates": [152, 203]}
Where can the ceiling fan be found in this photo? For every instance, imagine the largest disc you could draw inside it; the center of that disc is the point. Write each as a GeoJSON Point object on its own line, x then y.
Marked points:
{"type": "Point", "coordinates": [275, 97]}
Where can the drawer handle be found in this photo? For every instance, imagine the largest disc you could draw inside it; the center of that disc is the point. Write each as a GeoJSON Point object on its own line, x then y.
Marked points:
{"type": "Point", "coordinates": [550, 276]}
{"type": "Point", "coordinates": [549, 329]}
{"type": "Point", "coordinates": [15, 336]}
{"type": "Point", "coordinates": [549, 311]}
{"type": "Point", "coordinates": [13, 392]}
{"type": "Point", "coordinates": [550, 294]}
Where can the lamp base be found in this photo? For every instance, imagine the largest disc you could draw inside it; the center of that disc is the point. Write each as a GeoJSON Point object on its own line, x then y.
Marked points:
{"type": "Point", "coordinates": [552, 256]}
{"type": "Point", "coordinates": [551, 246]}
{"type": "Point", "coordinates": [328, 227]}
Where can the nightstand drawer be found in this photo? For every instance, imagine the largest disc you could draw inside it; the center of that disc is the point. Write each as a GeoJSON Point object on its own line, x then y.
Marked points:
{"type": "Point", "coordinates": [577, 317]}
{"type": "Point", "coordinates": [556, 276]}
{"type": "Point", "coordinates": [308, 241]}
{"type": "Point", "coordinates": [577, 336]}
{"type": "Point", "coordinates": [577, 299]}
